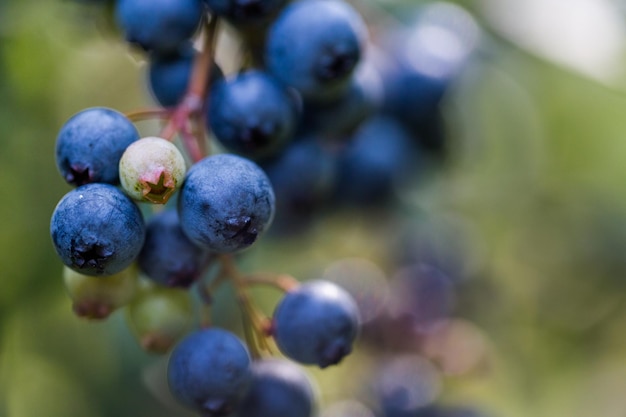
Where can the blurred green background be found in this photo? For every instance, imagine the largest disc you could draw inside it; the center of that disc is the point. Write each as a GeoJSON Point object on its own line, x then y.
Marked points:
{"type": "Point", "coordinates": [538, 171]}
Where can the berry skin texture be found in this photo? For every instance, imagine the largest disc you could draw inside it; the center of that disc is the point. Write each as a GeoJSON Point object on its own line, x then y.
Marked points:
{"type": "Point", "coordinates": [152, 169]}
{"type": "Point", "coordinates": [158, 25]}
{"type": "Point", "coordinates": [280, 388]}
{"type": "Point", "coordinates": [97, 230]}
{"type": "Point", "coordinates": [252, 114]}
{"type": "Point", "coordinates": [168, 257]}
{"type": "Point", "coordinates": [225, 203]}
{"type": "Point", "coordinates": [90, 144]}
{"type": "Point", "coordinates": [314, 46]}
{"type": "Point", "coordinates": [210, 371]}
{"type": "Point", "coordinates": [97, 297]}
{"type": "Point", "coordinates": [316, 324]}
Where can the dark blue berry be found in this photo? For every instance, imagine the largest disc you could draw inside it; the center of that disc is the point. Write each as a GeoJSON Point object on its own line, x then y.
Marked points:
{"type": "Point", "coordinates": [303, 176]}
{"type": "Point", "coordinates": [168, 256]}
{"type": "Point", "coordinates": [314, 46]}
{"type": "Point", "coordinates": [158, 25]}
{"type": "Point", "coordinates": [279, 388]}
{"type": "Point", "coordinates": [316, 323]}
{"type": "Point", "coordinates": [380, 156]}
{"type": "Point", "coordinates": [342, 115]}
{"type": "Point", "coordinates": [209, 371]}
{"type": "Point", "coordinates": [245, 12]}
{"type": "Point", "coordinates": [225, 203]}
{"type": "Point", "coordinates": [169, 75]}
{"type": "Point", "coordinates": [252, 114]}
{"type": "Point", "coordinates": [424, 59]}
{"type": "Point", "coordinates": [97, 230]}
{"type": "Point", "coordinates": [90, 144]}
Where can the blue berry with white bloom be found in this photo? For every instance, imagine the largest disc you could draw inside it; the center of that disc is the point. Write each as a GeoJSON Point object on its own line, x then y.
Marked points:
{"type": "Point", "coordinates": [168, 75]}
{"type": "Point", "coordinates": [315, 45]}
{"type": "Point", "coordinates": [97, 230]}
{"type": "Point", "coordinates": [317, 323]}
{"type": "Point", "coordinates": [209, 371]}
{"type": "Point", "coordinates": [252, 114]}
{"type": "Point", "coordinates": [168, 256]}
{"type": "Point", "coordinates": [90, 144]}
{"type": "Point", "coordinates": [158, 25]}
{"type": "Point", "coordinates": [226, 203]}
{"type": "Point", "coordinates": [279, 388]}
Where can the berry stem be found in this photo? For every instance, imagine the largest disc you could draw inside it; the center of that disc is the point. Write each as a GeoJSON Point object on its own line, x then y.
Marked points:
{"type": "Point", "coordinates": [192, 105]}
{"type": "Point", "coordinates": [206, 295]}
{"type": "Point", "coordinates": [148, 114]}
{"type": "Point", "coordinates": [260, 324]}
{"type": "Point", "coordinates": [283, 282]}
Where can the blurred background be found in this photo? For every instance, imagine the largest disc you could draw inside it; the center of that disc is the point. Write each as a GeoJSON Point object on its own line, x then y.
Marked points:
{"type": "Point", "coordinates": [528, 214]}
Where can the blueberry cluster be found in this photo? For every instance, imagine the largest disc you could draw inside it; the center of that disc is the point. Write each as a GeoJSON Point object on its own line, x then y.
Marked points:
{"type": "Point", "coordinates": [320, 114]}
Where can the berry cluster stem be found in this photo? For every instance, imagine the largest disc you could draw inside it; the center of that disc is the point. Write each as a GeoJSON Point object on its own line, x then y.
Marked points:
{"type": "Point", "coordinates": [192, 107]}
{"type": "Point", "coordinates": [256, 325]}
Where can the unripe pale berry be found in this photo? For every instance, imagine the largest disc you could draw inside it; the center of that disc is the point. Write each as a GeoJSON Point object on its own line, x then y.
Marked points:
{"type": "Point", "coordinates": [160, 316]}
{"type": "Point", "coordinates": [152, 169]}
{"type": "Point", "coordinates": [97, 297]}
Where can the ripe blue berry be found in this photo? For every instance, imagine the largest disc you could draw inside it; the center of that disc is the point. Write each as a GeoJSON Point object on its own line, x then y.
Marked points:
{"type": "Point", "coordinates": [168, 75]}
{"type": "Point", "coordinates": [90, 144]}
{"type": "Point", "coordinates": [158, 25]}
{"type": "Point", "coordinates": [251, 114]}
{"type": "Point", "coordinates": [245, 12]}
{"type": "Point", "coordinates": [342, 115]}
{"type": "Point", "coordinates": [97, 230]}
{"type": "Point", "coordinates": [314, 46]}
{"type": "Point", "coordinates": [279, 388]}
{"type": "Point", "coordinates": [168, 256]}
{"type": "Point", "coordinates": [380, 156]}
{"type": "Point", "coordinates": [303, 176]}
{"type": "Point", "coordinates": [316, 323]}
{"type": "Point", "coordinates": [225, 203]}
{"type": "Point", "coordinates": [209, 371]}
{"type": "Point", "coordinates": [424, 59]}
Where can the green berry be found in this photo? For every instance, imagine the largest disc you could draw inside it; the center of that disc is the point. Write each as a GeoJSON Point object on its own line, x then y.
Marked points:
{"type": "Point", "coordinates": [97, 297]}
{"type": "Point", "coordinates": [152, 169]}
{"type": "Point", "coordinates": [160, 316]}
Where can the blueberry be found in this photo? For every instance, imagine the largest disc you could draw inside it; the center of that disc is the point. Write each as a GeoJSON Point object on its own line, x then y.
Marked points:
{"type": "Point", "coordinates": [279, 388]}
{"type": "Point", "coordinates": [342, 115]}
{"type": "Point", "coordinates": [209, 371]}
{"type": "Point", "coordinates": [158, 25]}
{"type": "Point", "coordinates": [245, 12]}
{"type": "Point", "coordinates": [314, 46]}
{"type": "Point", "coordinates": [424, 59]}
{"type": "Point", "coordinates": [90, 144]}
{"type": "Point", "coordinates": [380, 156]}
{"type": "Point", "coordinates": [251, 114]}
{"type": "Point", "coordinates": [168, 256]}
{"type": "Point", "coordinates": [225, 203]}
{"type": "Point", "coordinates": [168, 75]}
{"type": "Point", "coordinates": [316, 323]}
{"type": "Point", "coordinates": [303, 177]}
{"type": "Point", "coordinates": [97, 230]}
